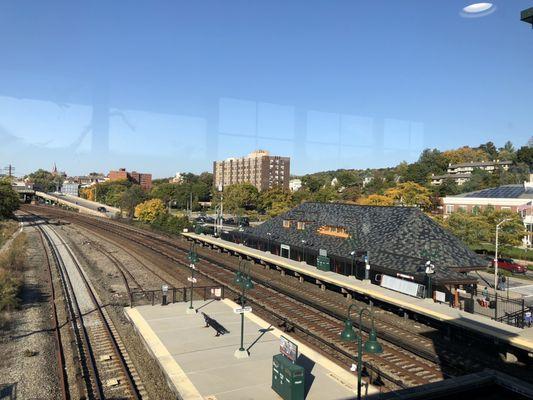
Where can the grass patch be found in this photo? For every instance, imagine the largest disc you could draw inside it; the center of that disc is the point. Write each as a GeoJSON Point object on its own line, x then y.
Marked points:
{"type": "Point", "coordinates": [7, 229]}
{"type": "Point", "coordinates": [512, 252]}
{"type": "Point", "coordinates": [12, 263]}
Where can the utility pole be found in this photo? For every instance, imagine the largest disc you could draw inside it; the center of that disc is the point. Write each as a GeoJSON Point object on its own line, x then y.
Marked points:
{"type": "Point", "coordinates": [9, 169]}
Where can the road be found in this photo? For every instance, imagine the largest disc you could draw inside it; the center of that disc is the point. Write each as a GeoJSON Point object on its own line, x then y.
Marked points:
{"type": "Point", "coordinates": [86, 203]}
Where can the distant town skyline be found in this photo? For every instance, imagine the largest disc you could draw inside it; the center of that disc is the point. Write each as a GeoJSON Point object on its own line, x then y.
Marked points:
{"type": "Point", "coordinates": [174, 86]}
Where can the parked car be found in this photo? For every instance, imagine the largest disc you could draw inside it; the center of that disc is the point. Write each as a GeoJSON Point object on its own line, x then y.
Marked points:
{"type": "Point", "coordinates": [510, 265]}
{"type": "Point", "coordinates": [102, 209]}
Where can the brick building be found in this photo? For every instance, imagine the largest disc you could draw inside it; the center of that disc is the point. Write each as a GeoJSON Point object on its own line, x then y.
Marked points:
{"type": "Point", "coordinates": [142, 179]}
{"type": "Point", "coordinates": [515, 198]}
{"type": "Point", "coordinates": [259, 168]}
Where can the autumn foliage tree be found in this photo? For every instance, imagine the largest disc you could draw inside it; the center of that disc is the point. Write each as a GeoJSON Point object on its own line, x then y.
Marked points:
{"type": "Point", "coordinates": [150, 210]}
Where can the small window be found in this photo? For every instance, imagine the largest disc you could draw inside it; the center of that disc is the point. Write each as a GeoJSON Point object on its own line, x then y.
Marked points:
{"type": "Point", "coordinates": [300, 225]}
{"type": "Point", "coordinates": [286, 223]}
{"type": "Point", "coordinates": [449, 208]}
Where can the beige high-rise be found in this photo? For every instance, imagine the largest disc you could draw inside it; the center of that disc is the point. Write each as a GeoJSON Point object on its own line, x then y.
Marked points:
{"type": "Point", "coordinates": [259, 168]}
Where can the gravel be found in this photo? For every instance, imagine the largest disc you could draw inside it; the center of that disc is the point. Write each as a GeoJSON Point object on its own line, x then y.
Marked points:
{"type": "Point", "coordinates": [27, 346]}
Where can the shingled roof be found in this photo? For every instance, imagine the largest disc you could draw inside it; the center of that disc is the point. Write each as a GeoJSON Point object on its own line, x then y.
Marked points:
{"type": "Point", "coordinates": [395, 238]}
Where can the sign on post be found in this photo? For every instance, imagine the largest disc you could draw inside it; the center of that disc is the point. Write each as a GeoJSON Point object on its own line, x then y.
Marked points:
{"type": "Point", "coordinates": [242, 310]}
{"type": "Point", "coordinates": [288, 349]}
{"type": "Point", "coordinates": [217, 292]}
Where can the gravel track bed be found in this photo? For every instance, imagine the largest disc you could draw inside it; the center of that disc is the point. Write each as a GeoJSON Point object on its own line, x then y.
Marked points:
{"type": "Point", "coordinates": [27, 346]}
{"type": "Point", "coordinates": [110, 288]}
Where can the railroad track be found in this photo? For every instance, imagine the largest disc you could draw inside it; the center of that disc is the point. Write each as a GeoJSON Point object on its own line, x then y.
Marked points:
{"type": "Point", "coordinates": [106, 369]}
{"type": "Point", "coordinates": [397, 365]}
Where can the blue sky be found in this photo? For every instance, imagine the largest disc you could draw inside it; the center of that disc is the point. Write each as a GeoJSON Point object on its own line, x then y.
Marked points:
{"type": "Point", "coordinates": [166, 86]}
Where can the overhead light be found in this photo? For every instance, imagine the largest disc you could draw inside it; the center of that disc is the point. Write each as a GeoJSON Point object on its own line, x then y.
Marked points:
{"type": "Point", "coordinates": [478, 10]}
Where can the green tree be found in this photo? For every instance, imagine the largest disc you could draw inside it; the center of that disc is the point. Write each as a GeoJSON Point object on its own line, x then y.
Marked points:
{"type": "Point", "coordinates": [525, 155]}
{"type": "Point", "coordinates": [240, 197]}
{"type": "Point", "coordinates": [325, 194]}
{"type": "Point", "coordinates": [473, 229]}
{"type": "Point", "coordinates": [275, 201]}
{"type": "Point", "coordinates": [45, 181]}
{"type": "Point", "coordinates": [348, 178]}
{"type": "Point", "coordinates": [9, 199]}
{"type": "Point", "coordinates": [490, 149]}
{"type": "Point", "coordinates": [511, 232]}
{"type": "Point", "coordinates": [429, 162]}
{"type": "Point", "coordinates": [130, 198]}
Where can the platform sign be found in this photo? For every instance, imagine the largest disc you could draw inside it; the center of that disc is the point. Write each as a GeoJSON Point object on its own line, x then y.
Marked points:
{"type": "Point", "coordinates": [242, 310]}
{"type": "Point", "coordinates": [164, 288]}
{"type": "Point", "coordinates": [288, 349]}
{"type": "Point", "coordinates": [193, 280]}
{"type": "Point", "coordinates": [217, 292]}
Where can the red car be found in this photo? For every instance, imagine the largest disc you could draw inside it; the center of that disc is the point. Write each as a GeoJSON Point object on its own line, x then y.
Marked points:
{"type": "Point", "coordinates": [510, 265]}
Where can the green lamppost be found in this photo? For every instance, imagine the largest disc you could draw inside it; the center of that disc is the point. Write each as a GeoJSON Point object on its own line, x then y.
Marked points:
{"type": "Point", "coordinates": [242, 279]}
{"type": "Point", "coordinates": [372, 346]}
{"type": "Point", "coordinates": [193, 258]}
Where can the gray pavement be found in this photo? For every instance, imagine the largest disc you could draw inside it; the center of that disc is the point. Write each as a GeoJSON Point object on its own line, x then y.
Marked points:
{"type": "Point", "coordinates": [209, 363]}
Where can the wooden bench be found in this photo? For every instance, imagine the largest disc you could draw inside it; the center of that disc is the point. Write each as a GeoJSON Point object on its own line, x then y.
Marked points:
{"type": "Point", "coordinates": [213, 323]}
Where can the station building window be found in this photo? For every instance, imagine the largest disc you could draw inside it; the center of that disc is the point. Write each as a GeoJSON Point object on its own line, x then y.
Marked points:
{"type": "Point", "coordinates": [286, 223]}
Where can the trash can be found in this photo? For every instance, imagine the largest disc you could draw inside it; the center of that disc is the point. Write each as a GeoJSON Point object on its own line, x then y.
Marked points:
{"type": "Point", "coordinates": [288, 379]}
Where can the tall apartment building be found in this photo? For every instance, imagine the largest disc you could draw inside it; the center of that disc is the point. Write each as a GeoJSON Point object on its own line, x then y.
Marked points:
{"type": "Point", "coordinates": [259, 168]}
{"type": "Point", "coordinates": [141, 179]}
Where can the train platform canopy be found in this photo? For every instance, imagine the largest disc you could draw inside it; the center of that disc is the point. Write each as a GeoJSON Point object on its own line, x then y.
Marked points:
{"type": "Point", "coordinates": [397, 240]}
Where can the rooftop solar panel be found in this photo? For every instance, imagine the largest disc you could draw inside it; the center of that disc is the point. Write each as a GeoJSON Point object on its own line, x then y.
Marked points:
{"type": "Point", "coordinates": [509, 192]}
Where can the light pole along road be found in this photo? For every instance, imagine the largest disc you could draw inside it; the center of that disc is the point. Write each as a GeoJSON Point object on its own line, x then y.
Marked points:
{"type": "Point", "coordinates": [496, 254]}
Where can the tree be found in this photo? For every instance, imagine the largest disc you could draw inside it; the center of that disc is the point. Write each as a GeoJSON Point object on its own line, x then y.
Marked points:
{"type": "Point", "coordinates": [300, 196]}
{"type": "Point", "coordinates": [348, 178]}
{"type": "Point", "coordinates": [149, 210]}
{"type": "Point", "coordinates": [240, 197]}
{"type": "Point", "coordinates": [132, 197]}
{"type": "Point", "coordinates": [9, 200]}
{"type": "Point", "coordinates": [507, 152]}
{"type": "Point", "coordinates": [376, 200]}
{"type": "Point", "coordinates": [325, 194]}
{"type": "Point", "coordinates": [410, 194]}
{"type": "Point", "coordinates": [45, 181]}
{"type": "Point", "coordinates": [473, 229]}
{"type": "Point", "coordinates": [489, 149]}
{"type": "Point", "coordinates": [275, 201]}
{"type": "Point", "coordinates": [429, 162]}
{"type": "Point", "coordinates": [525, 155]}
{"type": "Point", "coordinates": [465, 155]}
{"type": "Point", "coordinates": [351, 194]}
{"type": "Point", "coordinates": [511, 232]}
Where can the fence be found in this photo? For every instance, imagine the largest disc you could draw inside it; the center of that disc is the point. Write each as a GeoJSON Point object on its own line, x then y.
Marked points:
{"type": "Point", "coordinates": [496, 306]}
{"type": "Point", "coordinates": [175, 295]}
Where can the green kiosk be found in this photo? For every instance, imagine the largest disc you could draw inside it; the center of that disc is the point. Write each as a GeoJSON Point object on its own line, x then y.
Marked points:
{"type": "Point", "coordinates": [288, 379]}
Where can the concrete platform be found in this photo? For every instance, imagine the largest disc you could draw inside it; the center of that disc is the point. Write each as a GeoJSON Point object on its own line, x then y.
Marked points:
{"type": "Point", "coordinates": [521, 338]}
{"type": "Point", "coordinates": [199, 365]}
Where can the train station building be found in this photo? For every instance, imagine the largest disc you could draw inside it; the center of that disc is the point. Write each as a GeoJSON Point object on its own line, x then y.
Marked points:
{"type": "Point", "coordinates": [355, 240]}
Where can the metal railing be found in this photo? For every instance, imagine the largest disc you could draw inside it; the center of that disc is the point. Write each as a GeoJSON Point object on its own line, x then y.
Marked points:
{"type": "Point", "coordinates": [175, 295]}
